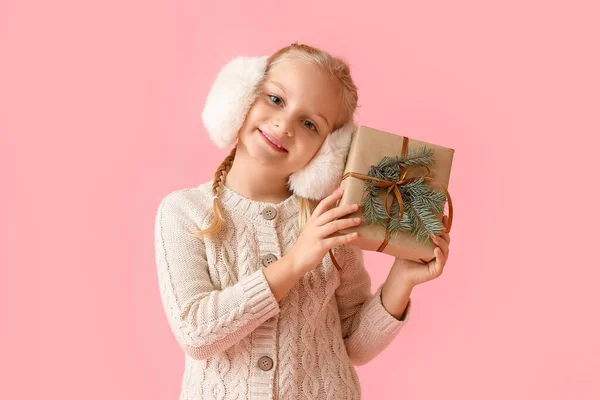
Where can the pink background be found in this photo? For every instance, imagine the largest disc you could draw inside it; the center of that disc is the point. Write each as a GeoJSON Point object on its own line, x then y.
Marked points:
{"type": "Point", "coordinates": [100, 118]}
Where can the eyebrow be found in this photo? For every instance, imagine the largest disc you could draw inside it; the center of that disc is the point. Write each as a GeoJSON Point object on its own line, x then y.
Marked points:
{"type": "Point", "coordinates": [322, 116]}
{"type": "Point", "coordinates": [278, 84]}
{"type": "Point", "coordinates": [283, 89]}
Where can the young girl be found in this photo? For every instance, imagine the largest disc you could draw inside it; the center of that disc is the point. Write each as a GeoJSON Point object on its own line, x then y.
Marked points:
{"type": "Point", "coordinates": [260, 308]}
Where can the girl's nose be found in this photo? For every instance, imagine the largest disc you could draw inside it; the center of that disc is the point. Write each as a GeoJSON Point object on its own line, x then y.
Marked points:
{"type": "Point", "coordinates": [283, 126]}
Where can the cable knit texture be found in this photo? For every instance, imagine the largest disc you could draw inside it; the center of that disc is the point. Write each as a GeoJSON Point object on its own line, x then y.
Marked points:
{"type": "Point", "coordinates": [225, 317]}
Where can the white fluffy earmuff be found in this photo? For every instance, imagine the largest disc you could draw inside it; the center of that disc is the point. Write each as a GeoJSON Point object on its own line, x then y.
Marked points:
{"type": "Point", "coordinates": [229, 100]}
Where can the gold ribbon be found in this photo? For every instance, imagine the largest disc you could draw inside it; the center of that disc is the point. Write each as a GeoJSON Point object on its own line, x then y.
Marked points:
{"type": "Point", "coordinates": [394, 187]}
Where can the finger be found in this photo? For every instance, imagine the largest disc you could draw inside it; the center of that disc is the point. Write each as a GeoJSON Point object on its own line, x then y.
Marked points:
{"type": "Point", "coordinates": [327, 202]}
{"type": "Point", "coordinates": [336, 213]}
{"type": "Point", "coordinates": [440, 261]}
{"type": "Point", "coordinates": [442, 243]}
{"type": "Point", "coordinates": [446, 236]}
{"type": "Point", "coordinates": [445, 256]}
{"type": "Point", "coordinates": [334, 226]}
{"type": "Point", "coordinates": [335, 241]}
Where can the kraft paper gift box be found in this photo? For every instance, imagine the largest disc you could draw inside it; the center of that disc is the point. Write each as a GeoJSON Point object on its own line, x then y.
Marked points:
{"type": "Point", "coordinates": [408, 240]}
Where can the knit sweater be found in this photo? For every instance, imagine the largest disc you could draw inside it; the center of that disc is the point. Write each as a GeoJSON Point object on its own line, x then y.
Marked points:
{"type": "Point", "coordinates": [239, 341]}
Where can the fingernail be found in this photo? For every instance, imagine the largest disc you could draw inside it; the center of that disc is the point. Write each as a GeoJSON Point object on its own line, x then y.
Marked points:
{"type": "Point", "coordinates": [357, 219]}
{"type": "Point", "coordinates": [355, 206]}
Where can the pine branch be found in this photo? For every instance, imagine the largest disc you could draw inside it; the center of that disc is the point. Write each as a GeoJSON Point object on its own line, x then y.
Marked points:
{"type": "Point", "coordinates": [369, 209]}
{"type": "Point", "coordinates": [394, 226]}
{"type": "Point", "coordinates": [380, 213]}
{"type": "Point", "coordinates": [424, 222]}
{"type": "Point", "coordinates": [422, 205]}
{"type": "Point", "coordinates": [435, 201]}
{"type": "Point", "coordinates": [374, 212]}
{"type": "Point", "coordinates": [418, 156]}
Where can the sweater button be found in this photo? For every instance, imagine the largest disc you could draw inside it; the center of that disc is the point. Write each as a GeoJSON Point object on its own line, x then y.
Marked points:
{"type": "Point", "coordinates": [265, 363]}
{"type": "Point", "coordinates": [268, 259]}
{"type": "Point", "coordinates": [269, 213]}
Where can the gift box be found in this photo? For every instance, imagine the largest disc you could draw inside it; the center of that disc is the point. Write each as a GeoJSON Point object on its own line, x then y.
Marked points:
{"type": "Point", "coordinates": [401, 184]}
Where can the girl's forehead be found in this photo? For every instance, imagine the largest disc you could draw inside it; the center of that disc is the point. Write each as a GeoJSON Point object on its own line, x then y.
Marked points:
{"type": "Point", "coordinates": [290, 75]}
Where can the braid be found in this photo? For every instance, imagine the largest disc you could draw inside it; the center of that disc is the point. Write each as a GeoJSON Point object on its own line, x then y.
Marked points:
{"type": "Point", "coordinates": [217, 189]}
{"type": "Point", "coordinates": [221, 173]}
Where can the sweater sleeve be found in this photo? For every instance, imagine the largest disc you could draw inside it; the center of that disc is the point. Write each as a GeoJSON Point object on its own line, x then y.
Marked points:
{"type": "Point", "coordinates": [205, 321]}
{"type": "Point", "coordinates": [367, 327]}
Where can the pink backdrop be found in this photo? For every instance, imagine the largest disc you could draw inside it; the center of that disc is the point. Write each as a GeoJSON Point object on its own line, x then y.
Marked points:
{"type": "Point", "coordinates": [100, 118]}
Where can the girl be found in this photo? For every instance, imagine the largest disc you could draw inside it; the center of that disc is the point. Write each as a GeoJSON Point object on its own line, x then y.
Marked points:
{"type": "Point", "coordinates": [260, 308]}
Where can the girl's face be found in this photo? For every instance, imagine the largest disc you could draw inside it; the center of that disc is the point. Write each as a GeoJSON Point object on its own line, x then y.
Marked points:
{"type": "Point", "coordinates": [296, 109]}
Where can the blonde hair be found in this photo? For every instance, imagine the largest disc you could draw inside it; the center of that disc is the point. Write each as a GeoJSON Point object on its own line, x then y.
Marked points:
{"type": "Point", "coordinates": [339, 70]}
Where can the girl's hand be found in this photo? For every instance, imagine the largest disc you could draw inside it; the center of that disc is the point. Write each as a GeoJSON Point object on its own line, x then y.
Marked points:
{"type": "Point", "coordinates": [314, 241]}
{"type": "Point", "coordinates": [411, 273]}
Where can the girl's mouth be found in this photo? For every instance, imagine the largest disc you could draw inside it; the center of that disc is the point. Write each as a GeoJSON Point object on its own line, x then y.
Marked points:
{"type": "Point", "coordinates": [272, 143]}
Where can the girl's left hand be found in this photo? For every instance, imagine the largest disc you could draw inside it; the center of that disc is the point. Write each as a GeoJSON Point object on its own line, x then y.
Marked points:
{"type": "Point", "coordinates": [412, 273]}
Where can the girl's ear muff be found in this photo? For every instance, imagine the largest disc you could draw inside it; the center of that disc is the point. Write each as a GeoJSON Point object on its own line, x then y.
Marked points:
{"type": "Point", "coordinates": [227, 104]}
{"type": "Point", "coordinates": [230, 98]}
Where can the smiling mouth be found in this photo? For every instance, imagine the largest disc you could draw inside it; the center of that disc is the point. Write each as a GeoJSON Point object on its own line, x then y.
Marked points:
{"type": "Point", "coordinates": [272, 141]}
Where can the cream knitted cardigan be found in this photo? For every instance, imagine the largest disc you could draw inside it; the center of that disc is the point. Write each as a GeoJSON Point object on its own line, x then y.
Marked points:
{"type": "Point", "coordinates": [224, 316]}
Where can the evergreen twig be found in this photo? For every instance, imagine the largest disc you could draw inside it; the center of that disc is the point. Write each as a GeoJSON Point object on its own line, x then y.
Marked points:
{"type": "Point", "coordinates": [422, 204]}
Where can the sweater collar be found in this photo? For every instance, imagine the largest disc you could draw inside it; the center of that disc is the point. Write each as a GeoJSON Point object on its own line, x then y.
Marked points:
{"type": "Point", "coordinates": [252, 209]}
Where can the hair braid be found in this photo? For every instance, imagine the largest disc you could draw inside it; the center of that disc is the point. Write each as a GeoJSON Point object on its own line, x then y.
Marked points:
{"type": "Point", "coordinates": [217, 189]}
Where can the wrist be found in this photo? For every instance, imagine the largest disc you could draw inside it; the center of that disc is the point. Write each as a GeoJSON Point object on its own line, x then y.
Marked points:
{"type": "Point", "coordinates": [395, 299]}
{"type": "Point", "coordinates": [397, 279]}
{"type": "Point", "coordinates": [397, 290]}
{"type": "Point", "coordinates": [295, 269]}
{"type": "Point", "coordinates": [281, 277]}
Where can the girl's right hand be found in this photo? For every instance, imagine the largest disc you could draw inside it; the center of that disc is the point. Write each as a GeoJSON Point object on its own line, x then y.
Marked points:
{"type": "Point", "coordinates": [314, 241]}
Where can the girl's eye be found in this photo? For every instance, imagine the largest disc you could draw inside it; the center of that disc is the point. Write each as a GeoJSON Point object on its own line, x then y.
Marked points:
{"type": "Point", "coordinates": [277, 99]}
{"type": "Point", "coordinates": [310, 125]}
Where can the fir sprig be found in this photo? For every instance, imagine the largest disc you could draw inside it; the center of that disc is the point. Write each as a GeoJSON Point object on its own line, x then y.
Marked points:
{"type": "Point", "coordinates": [422, 204]}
